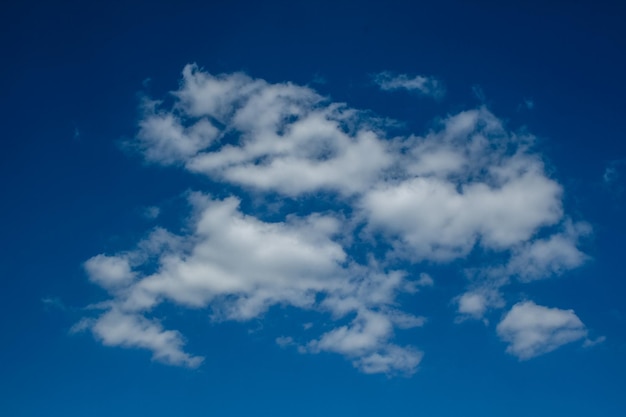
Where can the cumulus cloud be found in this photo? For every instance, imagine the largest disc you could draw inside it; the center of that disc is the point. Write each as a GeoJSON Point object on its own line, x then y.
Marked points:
{"type": "Point", "coordinates": [109, 271]}
{"type": "Point", "coordinates": [388, 81]}
{"type": "Point", "coordinates": [475, 302]}
{"type": "Point", "coordinates": [469, 183]}
{"type": "Point", "coordinates": [531, 260]}
{"type": "Point", "coordinates": [467, 189]}
{"type": "Point", "coordinates": [239, 266]}
{"type": "Point", "coordinates": [550, 256]}
{"type": "Point", "coordinates": [532, 330]}
{"type": "Point", "coordinates": [117, 328]}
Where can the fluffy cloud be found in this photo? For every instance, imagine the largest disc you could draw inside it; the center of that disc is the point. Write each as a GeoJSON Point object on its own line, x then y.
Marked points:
{"type": "Point", "coordinates": [283, 137]}
{"type": "Point", "coordinates": [475, 303]}
{"type": "Point", "coordinates": [469, 188]}
{"type": "Point", "coordinates": [471, 182]}
{"type": "Point", "coordinates": [109, 271]}
{"type": "Point", "coordinates": [239, 266]}
{"type": "Point", "coordinates": [117, 328]}
{"type": "Point", "coordinates": [533, 330]}
{"type": "Point", "coordinates": [531, 260]}
{"type": "Point", "coordinates": [550, 256]}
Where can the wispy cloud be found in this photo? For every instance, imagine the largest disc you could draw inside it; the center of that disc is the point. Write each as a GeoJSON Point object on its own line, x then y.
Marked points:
{"type": "Point", "coordinates": [388, 81]}
{"type": "Point", "coordinates": [53, 302]}
{"type": "Point", "coordinates": [468, 186]}
{"type": "Point", "coordinates": [152, 212]}
{"type": "Point", "coordinates": [612, 177]}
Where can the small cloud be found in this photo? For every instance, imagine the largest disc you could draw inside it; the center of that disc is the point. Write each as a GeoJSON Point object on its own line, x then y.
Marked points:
{"type": "Point", "coordinates": [284, 341]}
{"type": "Point", "coordinates": [319, 79]}
{"type": "Point", "coordinates": [529, 103]}
{"type": "Point", "coordinates": [610, 174]}
{"type": "Point", "coordinates": [53, 302]}
{"type": "Point", "coordinates": [118, 328]}
{"type": "Point", "coordinates": [395, 360]}
{"type": "Point", "coordinates": [429, 86]}
{"type": "Point", "coordinates": [424, 280]}
{"type": "Point", "coordinates": [590, 343]}
{"type": "Point", "coordinates": [479, 93]}
{"type": "Point", "coordinates": [151, 212]}
{"type": "Point", "coordinates": [551, 256]}
{"type": "Point", "coordinates": [532, 330]}
{"type": "Point", "coordinates": [83, 325]}
{"type": "Point", "coordinates": [366, 341]}
{"type": "Point", "coordinates": [109, 271]}
{"type": "Point", "coordinates": [613, 172]}
{"type": "Point", "coordinates": [475, 303]}
{"type": "Point", "coordinates": [526, 104]}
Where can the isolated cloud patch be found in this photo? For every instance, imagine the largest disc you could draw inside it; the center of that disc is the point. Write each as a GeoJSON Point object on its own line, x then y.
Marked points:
{"type": "Point", "coordinates": [466, 189]}
{"type": "Point", "coordinates": [430, 86]}
{"type": "Point", "coordinates": [532, 330]}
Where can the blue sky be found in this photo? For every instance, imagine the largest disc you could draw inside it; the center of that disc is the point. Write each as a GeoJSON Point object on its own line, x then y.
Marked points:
{"type": "Point", "coordinates": [298, 208]}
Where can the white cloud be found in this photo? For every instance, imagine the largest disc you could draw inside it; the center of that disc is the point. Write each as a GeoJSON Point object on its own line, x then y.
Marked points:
{"type": "Point", "coordinates": [366, 340]}
{"type": "Point", "coordinates": [311, 153]}
{"type": "Point", "coordinates": [290, 139]}
{"type": "Point", "coordinates": [470, 186]}
{"type": "Point", "coordinates": [425, 280]}
{"type": "Point", "coordinates": [163, 138]}
{"type": "Point", "coordinates": [590, 343]}
{"type": "Point", "coordinates": [109, 271]}
{"type": "Point", "coordinates": [471, 182]}
{"type": "Point", "coordinates": [366, 332]}
{"type": "Point", "coordinates": [151, 212]}
{"type": "Point", "coordinates": [284, 341]}
{"type": "Point", "coordinates": [550, 256]}
{"type": "Point", "coordinates": [390, 361]}
{"type": "Point", "coordinates": [533, 330]}
{"type": "Point", "coordinates": [429, 86]}
{"type": "Point", "coordinates": [534, 259]}
{"type": "Point", "coordinates": [237, 254]}
{"type": "Point", "coordinates": [475, 303]}
{"type": "Point", "coordinates": [610, 174]}
{"type": "Point", "coordinates": [116, 328]}
{"type": "Point", "coordinates": [612, 177]}
{"type": "Point", "coordinates": [53, 302]}
{"type": "Point", "coordinates": [239, 266]}
{"type": "Point", "coordinates": [526, 104]}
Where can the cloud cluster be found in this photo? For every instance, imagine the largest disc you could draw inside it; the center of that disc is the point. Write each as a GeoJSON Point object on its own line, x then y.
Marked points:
{"type": "Point", "coordinates": [469, 186]}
